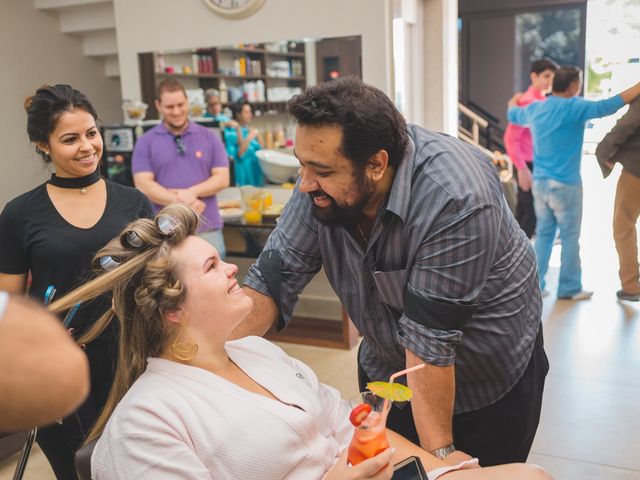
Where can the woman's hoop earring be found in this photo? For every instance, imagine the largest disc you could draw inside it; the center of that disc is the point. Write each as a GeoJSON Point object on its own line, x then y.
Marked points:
{"type": "Point", "coordinates": [183, 351]}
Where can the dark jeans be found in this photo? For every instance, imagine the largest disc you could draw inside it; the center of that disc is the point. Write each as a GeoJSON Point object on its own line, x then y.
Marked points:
{"type": "Point", "coordinates": [525, 212]}
{"type": "Point", "coordinates": [59, 442]}
{"type": "Point", "coordinates": [502, 432]}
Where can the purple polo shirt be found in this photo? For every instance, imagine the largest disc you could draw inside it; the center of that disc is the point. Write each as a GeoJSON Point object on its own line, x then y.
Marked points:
{"type": "Point", "coordinates": [156, 152]}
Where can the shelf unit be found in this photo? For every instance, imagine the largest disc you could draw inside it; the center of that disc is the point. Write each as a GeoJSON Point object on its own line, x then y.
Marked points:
{"type": "Point", "coordinates": [207, 67]}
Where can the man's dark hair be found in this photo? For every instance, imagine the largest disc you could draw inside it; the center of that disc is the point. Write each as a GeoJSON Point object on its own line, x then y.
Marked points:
{"type": "Point", "coordinates": [543, 64]}
{"type": "Point", "coordinates": [564, 77]}
{"type": "Point", "coordinates": [369, 121]}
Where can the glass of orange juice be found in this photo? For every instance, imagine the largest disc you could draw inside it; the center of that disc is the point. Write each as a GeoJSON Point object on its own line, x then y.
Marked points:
{"type": "Point", "coordinates": [369, 416]}
{"type": "Point", "coordinates": [267, 199]}
{"type": "Point", "coordinates": [252, 199]}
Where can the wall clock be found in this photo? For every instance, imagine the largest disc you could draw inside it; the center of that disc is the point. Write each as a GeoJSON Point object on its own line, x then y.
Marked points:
{"type": "Point", "coordinates": [234, 9]}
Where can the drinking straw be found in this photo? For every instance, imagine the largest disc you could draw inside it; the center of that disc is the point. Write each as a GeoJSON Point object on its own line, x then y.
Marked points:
{"type": "Point", "coordinates": [385, 407]}
{"type": "Point", "coordinates": [405, 371]}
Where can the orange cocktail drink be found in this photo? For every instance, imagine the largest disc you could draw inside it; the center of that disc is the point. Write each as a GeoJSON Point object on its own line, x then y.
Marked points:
{"type": "Point", "coordinates": [370, 436]}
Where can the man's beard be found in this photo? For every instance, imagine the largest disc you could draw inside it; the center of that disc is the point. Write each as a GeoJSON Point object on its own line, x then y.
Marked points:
{"type": "Point", "coordinates": [345, 214]}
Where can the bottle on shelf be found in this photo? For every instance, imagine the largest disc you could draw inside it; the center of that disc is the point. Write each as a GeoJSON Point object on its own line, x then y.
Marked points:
{"type": "Point", "coordinates": [195, 63]}
{"type": "Point", "coordinates": [160, 63]}
{"type": "Point", "coordinates": [268, 139]}
{"type": "Point", "coordinates": [260, 97]}
{"type": "Point", "coordinates": [224, 92]}
{"type": "Point", "coordinates": [249, 89]}
{"type": "Point", "coordinates": [280, 141]}
{"type": "Point", "coordinates": [290, 134]}
{"type": "Point", "coordinates": [256, 68]}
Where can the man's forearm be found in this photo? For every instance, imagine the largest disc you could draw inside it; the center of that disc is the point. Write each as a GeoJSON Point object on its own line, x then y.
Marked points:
{"type": "Point", "coordinates": [432, 402]}
{"type": "Point", "coordinates": [261, 318]}
{"type": "Point", "coordinates": [212, 185]}
{"type": "Point", "coordinates": [156, 192]}
{"type": "Point", "coordinates": [404, 448]}
{"type": "Point", "coordinates": [630, 94]}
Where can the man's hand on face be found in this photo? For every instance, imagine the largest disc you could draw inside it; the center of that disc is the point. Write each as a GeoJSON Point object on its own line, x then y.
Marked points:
{"type": "Point", "coordinates": [525, 179]}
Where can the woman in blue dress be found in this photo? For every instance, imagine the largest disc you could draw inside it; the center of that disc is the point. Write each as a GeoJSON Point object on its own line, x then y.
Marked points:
{"type": "Point", "coordinates": [242, 143]}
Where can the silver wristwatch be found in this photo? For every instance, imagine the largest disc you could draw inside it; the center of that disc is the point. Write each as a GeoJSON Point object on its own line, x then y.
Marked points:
{"type": "Point", "coordinates": [444, 451]}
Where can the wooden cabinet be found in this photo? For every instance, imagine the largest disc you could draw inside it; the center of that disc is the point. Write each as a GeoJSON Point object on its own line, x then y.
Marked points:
{"type": "Point", "coordinates": [265, 74]}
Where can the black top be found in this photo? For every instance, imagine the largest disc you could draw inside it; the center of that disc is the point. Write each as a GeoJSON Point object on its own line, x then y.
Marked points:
{"type": "Point", "coordinates": [35, 237]}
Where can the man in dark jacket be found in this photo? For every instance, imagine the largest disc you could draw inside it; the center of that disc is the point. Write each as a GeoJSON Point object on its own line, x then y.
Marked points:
{"type": "Point", "coordinates": [622, 144]}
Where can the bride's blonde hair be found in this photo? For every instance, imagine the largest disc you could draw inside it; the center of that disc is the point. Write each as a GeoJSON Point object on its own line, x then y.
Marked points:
{"type": "Point", "coordinates": [137, 266]}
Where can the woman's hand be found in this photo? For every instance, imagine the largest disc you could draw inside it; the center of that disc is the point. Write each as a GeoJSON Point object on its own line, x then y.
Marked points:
{"type": "Point", "coordinates": [253, 133]}
{"type": "Point", "coordinates": [376, 468]}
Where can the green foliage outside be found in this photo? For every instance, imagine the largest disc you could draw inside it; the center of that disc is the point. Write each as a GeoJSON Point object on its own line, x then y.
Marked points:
{"type": "Point", "coordinates": [594, 79]}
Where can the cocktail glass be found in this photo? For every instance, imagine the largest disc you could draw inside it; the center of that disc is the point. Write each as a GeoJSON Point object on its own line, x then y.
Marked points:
{"type": "Point", "coordinates": [369, 415]}
{"type": "Point", "coordinates": [370, 436]}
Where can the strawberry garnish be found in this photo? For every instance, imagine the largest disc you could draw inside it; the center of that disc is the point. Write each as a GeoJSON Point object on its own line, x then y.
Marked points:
{"type": "Point", "coordinates": [359, 413]}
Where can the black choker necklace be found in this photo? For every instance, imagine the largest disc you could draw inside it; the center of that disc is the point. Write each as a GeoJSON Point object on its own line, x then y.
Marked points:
{"type": "Point", "coordinates": [82, 182]}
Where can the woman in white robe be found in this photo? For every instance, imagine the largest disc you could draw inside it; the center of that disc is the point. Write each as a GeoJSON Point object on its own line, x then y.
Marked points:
{"type": "Point", "coordinates": [188, 403]}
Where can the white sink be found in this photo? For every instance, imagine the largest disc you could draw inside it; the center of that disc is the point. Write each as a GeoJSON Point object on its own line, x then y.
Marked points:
{"type": "Point", "coordinates": [278, 167]}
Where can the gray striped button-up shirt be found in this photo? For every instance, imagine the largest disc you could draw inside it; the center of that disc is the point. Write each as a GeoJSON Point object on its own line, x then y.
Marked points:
{"type": "Point", "coordinates": [447, 272]}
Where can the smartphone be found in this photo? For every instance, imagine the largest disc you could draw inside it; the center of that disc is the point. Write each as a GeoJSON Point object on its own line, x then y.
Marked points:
{"type": "Point", "coordinates": [409, 469]}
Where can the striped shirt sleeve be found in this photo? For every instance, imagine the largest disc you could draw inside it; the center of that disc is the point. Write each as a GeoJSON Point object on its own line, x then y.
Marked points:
{"type": "Point", "coordinates": [295, 238]}
{"type": "Point", "coordinates": [446, 279]}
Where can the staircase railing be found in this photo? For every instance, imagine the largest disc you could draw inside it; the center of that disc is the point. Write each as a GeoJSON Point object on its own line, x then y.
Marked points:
{"type": "Point", "coordinates": [501, 160]}
{"type": "Point", "coordinates": [492, 135]}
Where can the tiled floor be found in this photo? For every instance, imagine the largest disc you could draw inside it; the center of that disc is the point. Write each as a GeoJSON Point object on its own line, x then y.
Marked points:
{"type": "Point", "coordinates": [591, 415]}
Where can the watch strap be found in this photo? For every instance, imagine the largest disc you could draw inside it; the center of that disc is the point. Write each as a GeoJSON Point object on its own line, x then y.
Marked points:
{"type": "Point", "coordinates": [442, 452]}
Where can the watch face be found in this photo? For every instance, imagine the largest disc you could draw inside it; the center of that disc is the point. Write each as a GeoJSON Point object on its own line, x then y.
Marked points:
{"type": "Point", "coordinates": [234, 8]}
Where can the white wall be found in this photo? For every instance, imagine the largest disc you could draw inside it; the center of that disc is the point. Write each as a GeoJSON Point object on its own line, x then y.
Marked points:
{"type": "Point", "coordinates": [440, 63]}
{"type": "Point", "coordinates": [34, 52]}
{"type": "Point", "coordinates": [150, 25]}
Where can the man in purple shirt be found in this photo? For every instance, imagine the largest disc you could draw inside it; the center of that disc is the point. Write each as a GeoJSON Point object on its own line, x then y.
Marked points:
{"type": "Point", "coordinates": [180, 161]}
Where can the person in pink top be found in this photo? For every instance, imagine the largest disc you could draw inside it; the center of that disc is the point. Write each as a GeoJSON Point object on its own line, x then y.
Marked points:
{"type": "Point", "coordinates": [519, 146]}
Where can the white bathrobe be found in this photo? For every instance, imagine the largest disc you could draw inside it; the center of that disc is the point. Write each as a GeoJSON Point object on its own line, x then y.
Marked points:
{"type": "Point", "coordinates": [183, 422]}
